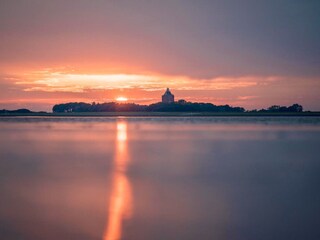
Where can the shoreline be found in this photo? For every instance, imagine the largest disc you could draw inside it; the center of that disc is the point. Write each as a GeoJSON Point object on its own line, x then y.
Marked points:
{"type": "Point", "coordinates": [162, 114]}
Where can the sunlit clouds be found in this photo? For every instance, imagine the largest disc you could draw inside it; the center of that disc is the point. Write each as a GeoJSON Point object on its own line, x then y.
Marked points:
{"type": "Point", "coordinates": [70, 82]}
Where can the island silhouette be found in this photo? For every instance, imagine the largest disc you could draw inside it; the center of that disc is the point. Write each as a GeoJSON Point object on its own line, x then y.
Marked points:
{"type": "Point", "coordinates": [168, 104]}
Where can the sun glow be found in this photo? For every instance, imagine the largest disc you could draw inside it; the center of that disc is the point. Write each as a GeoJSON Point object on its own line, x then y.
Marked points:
{"type": "Point", "coordinates": [121, 99]}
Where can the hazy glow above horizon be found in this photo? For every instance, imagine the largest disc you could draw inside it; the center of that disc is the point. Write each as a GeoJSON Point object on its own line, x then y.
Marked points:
{"type": "Point", "coordinates": [46, 87]}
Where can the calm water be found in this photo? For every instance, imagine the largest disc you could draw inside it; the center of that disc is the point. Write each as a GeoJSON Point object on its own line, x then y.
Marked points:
{"type": "Point", "coordinates": [159, 178]}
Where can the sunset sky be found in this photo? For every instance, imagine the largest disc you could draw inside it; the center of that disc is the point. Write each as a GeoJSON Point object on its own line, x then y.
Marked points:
{"type": "Point", "coordinates": [249, 53]}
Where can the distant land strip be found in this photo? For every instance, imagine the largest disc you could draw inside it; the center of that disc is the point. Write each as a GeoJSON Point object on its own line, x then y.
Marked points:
{"type": "Point", "coordinates": [161, 114]}
{"type": "Point", "coordinates": [177, 109]}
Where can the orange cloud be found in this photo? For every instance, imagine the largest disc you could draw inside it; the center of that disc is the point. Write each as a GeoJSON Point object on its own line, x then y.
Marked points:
{"type": "Point", "coordinates": [51, 81]}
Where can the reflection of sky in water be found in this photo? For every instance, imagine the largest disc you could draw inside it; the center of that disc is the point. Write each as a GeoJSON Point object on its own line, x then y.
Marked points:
{"type": "Point", "coordinates": [159, 178]}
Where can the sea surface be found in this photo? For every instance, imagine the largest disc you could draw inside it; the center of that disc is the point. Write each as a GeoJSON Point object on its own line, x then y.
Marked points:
{"type": "Point", "coordinates": [159, 178]}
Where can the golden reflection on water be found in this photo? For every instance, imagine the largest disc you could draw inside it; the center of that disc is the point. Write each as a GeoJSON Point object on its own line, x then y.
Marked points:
{"type": "Point", "coordinates": [121, 203]}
